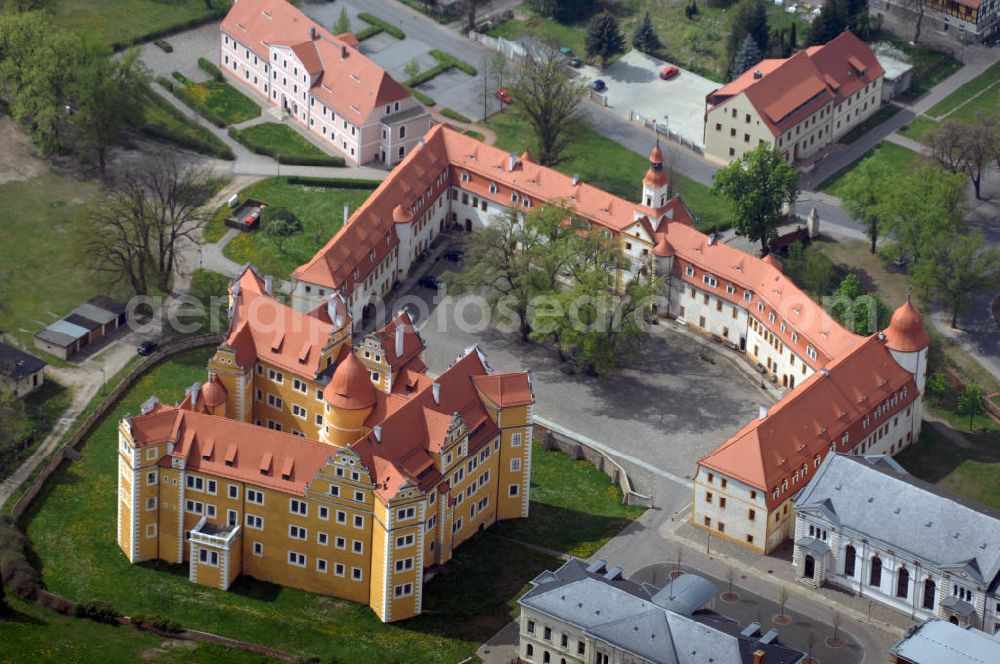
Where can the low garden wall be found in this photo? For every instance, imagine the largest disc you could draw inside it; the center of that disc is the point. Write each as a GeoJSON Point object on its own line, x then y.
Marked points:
{"type": "Point", "coordinates": [88, 425]}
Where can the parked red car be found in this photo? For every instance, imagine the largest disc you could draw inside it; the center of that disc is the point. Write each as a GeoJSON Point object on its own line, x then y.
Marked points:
{"type": "Point", "coordinates": [503, 95]}
{"type": "Point", "coordinates": [669, 72]}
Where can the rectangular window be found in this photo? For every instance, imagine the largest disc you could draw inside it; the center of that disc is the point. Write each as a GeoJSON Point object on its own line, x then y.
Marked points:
{"type": "Point", "coordinates": [255, 522]}
{"type": "Point", "coordinates": [255, 497]}
{"type": "Point", "coordinates": [297, 559]}
{"type": "Point", "coordinates": [513, 490]}
{"type": "Point", "coordinates": [358, 546]}
{"type": "Point", "coordinates": [234, 491]}
{"type": "Point", "coordinates": [359, 521]}
{"type": "Point", "coordinates": [515, 440]}
{"type": "Point", "coordinates": [515, 465]}
{"type": "Point", "coordinates": [321, 565]}
{"type": "Point", "coordinates": [258, 549]}
{"type": "Point", "coordinates": [404, 590]}
{"type": "Point", "coordinates": [324, 512]}
{"type": "Point", "coordinates": [356, 574]}
{"type": "Point", "coordinates": [404, 540]}
{"type": "Point", "coordinates": [405, 513]}
{"type": "Point", "coordinates": [340, 542]}
{"type": "Point", "coordinates": [297, 532]}
{"type": "Point", "coordinates": [298, 507]}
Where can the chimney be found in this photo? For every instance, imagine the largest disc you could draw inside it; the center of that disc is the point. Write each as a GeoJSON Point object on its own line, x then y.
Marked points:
{"type": "Point", "coordinates": [148, 405]}
{"type": "Point", "coordinates": [759, 657]}
{"type": "Point", "coordinates": [347, 211]}
{"type": "Point", "coordinates": [377, 430]}
{"type": "Point", "coordinates": [343, 52]}
{"type": "Point", "coordinates": [762, 412]}
{"type": "Point", "coordinates": [511, 161]}
{"type": "Point", "coordinates": [269, 284]}
{"type": "Point", "coordinates": [576, 180]}
{"type": "Point", "coordinates": [711, 238]}
{"type": "Point", "coordinates": [399, 340]}
{"type": "Point", "coordinates": [313, 35]}
{"type": "Point", "coordinates": [193, 391]}
{"type": "Point", "coordinates": [757, 74]}
{"type": "Point", "coordinates": [613, 574]}
{"type": "Point", "coordinates": [436, 393]}
{"type": "Point", "coordinates": [420, 143]}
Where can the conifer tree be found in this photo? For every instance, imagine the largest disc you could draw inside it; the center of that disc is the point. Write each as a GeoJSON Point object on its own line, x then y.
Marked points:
{"type": "Point", "coordinates": [748, 17]}
{"type": "Point", "coordinates": [605, 38]}
{"type": "Point", "coordinates": [343, 24]}
{"type": "Point", "coordinates": [746, 57]}
{"type": "Point", "coordinates": [645, 38]}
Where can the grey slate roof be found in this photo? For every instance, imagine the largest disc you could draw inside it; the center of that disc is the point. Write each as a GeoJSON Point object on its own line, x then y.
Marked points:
{"type": "Point", "coordinates": [95, 313]}
{"type": "Point", "coordinates": [62, 333]}
{"type": "Point", "coordinates": [879, 499]}
{"type": "Point", "coordinates": [623, 614]}
{"type": "Point", "coordinates": [17, 364]}
{"type": "Point", "coordinates": [818, 547]}
{"type": "Point", "coordinates": [685, 594]}
{"type": "Point", "coordinates": [939, 642]}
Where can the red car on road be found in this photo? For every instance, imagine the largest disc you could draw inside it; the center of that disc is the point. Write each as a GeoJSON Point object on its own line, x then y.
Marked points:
{"type": "Point", "coordinates": [669, 72]}
{"type": "Point", "coordinates": [503, 95]}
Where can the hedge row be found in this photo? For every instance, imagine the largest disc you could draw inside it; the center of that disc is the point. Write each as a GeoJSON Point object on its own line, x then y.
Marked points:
{"type": "Point", "coordinates": [333, 183]}
{"type": "Point", "coordinates": [292, 160]}
{"type": "Point", "coordinates": [368, 32]}
{"type": "Point", "coordinates": [182, 93]}
{"type": "Point", "coordinates": [216, 14]}
{"type": "Point", "coordinates": [158, 623]}
{"type": "Point", "coordinates": [447, 58]}
{"type": "Point", "coordinates": [209, 68]}
{"type": "Point", "coordinates": [98, 611]}
{"type": "Point", "coordinates": [16, 572]}
{"type": "Point", "coordinates": [421, 97]}
{"type": "Point", "coordinates": [196, 137]}
{"type": "Point", "coordinates": [379, 23]}
{"type": "Point", "coordinates": [454, 115]}
{"type": "Point", "coordinates": [164, 45]}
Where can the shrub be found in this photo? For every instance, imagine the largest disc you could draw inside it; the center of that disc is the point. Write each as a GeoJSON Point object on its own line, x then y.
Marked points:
{"type": "Point", "coordinates": [181, 131]}
{"type": "Point", "coordinates": [368, 33]}
{"type": "Point", "coordinates": [166, 625]}
{"type": "Point", "coordinates": [164, 45]}
{"type": "Point", "coordinates": [15, 569]}
{"type": "Point", "coordinates": [98, 611]}
{"type": "Point", "coordinates": [454, 115]}
{"type": "Point", "coordinates": [388, 27]}
{"type": "Point", "coordinates": [333, 183]}
{"type": "Point", "coordinates": [165, 82]}
{"type": "Point", "coordinates": [448, 59]}
{"type": "Point", "coordinates": [181, 78]}
{"type": "Point", "coordinates": [938, 386]}
{"type": "Point", "coordinates": [209, 67]}
{"type": "Point", "coordinates": [421, 97]}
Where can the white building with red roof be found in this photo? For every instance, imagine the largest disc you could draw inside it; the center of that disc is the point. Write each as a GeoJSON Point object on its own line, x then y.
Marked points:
{"type": "Point", "coordinates": [322, 81]}
{"type": "Point", "coordinates": [798, 105]}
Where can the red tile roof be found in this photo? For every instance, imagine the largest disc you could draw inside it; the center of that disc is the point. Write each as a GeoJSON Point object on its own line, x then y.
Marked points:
{"type": "Point", "coordinates": [261, 328]}
{"type": "Point", "coordinates": [831, 402]}
{"type": "Point", "coordinates": [348, 82]}
{"type": "Point", "coordinates": [506, 390]}
{"type": "Point", "coordinates": [350, 387]}
{"type": "Point", "coordinates": [413, 343]}
{"type": "Point", "coordinates": [785, 92]}
{"type": "Point", "coordinates": [906, 331]}
{"type": "Point", "coordinates": [206, 442]}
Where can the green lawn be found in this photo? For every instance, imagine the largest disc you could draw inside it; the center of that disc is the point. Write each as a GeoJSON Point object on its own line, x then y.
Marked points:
{"type": "Point", "coordinates": [284, 144]}
{"type": "Point", "coordinates": [42, 277]}
{"type": "Point", "coordinates": [896, 157]}
{"type": "Point", "coordinates": [35, 634]}
{"type": "Point", "coordinates": [919, 128]}
{"type": "Point", "coordinates": [42, 409]}
{"type": "Point", "coordinates": [160, 119]}
{"type": "Point", "coordinates": [973, 473]}
{"type": "Point", "coordinates": [988, 78]}
{"type": "Point", "coordinates": [123, 21]}
{"type": "Point", "coordinates": [218, 101]}
{"type": "Point", "coordinates": [321, 210]}
{"type": "Point", "coordinates": [71, 530]}
{"type": "Point", "coordinates": [603, 163]}
{"type": "Point", "coordinates": [575, 507]}
{"type": "Point", "coordinates": [696, 44]}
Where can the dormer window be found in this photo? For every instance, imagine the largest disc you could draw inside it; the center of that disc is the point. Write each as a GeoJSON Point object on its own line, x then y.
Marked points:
{"type": "Point", "coordinates": [465, 176]}
{"type": "Point", "coordinates": [527, 202]}
{"type": "Point", "coordinates": [689, 271]}
{"type": "Point", "coordinates": [747, 295]}
{"type": "Point", "coordinates": [493, 187]}
{"type": "Point", "coordinates": [514, 197]}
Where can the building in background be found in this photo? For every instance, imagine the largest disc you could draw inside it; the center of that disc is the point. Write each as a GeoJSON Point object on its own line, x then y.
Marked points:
{"type": "Point", "coordinates": [942, 23]}
{"type": "Point", "coordinates": [937, 641]}
{"type": "Point", "coordinates": [589, 614]}
{"type": "Point", "coordinates": [308, 462]}
{"type": "Point", "coordinates": [866, 525]}
{"type": "Point", "coordinates": [322, 81]}
{"type": "Point", "coordinates": [798, 105]}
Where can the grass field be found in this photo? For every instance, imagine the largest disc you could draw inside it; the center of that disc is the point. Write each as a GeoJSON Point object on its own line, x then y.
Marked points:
{"type": "Point", "coordinates": [990, 77]}
{"type": "Point", "coordinates": [696, 44]}
{"type": "Point", "coordinates": [895, 157]}
{"type": "Point", "coordinates": [71, 530]}
{"type": "Point", "coordinates": [34, 634]}
{"type": "Point", "coordinates": [321, 210]}
{"type": "Point", "coordinates": [42, 408]}
{"type": "Point", "coordinates": [121, 21]}
{"type": "Point", "coordinates": [284, 144]}
{"type": "Point", "coordinates": [575, 507]}
{"type": "Point", "coordinates": [606, 164]}
{"type": "Point", "coordinates": [160, 119]}
{"type": "Point", "coordinates": [41, 276]}
{"type": "Point", "coordinates": [973, 473]}
{"type": "Point", "coordinates": [918, 129]}
{"type": "Point", "coordinates": [218, 101]}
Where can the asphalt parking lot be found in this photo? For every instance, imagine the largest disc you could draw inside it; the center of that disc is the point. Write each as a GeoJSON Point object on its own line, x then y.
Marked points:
{"type": "Point", "coordinates": [634, 84]}
{"type": "Point", "coordinates": [669, 405]}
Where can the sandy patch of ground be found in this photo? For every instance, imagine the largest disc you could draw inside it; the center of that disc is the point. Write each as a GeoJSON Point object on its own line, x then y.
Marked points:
{"type": "Point", "coordinates": [19, 161]}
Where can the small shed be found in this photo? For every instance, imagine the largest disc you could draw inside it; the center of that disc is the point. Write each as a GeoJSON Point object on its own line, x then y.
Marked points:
{"type": "Point", "coordinates": [20, 371]}
{"type": "Point", "coordinates": [898, 75]}
{"type": "Point", "coordinates": [90, 321]}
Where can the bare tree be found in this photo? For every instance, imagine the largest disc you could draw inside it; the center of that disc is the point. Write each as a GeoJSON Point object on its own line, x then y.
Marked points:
{"type": "Point", "coordinates": [836, 621]}
{"type": "Point", "coordinates": [782, 598]}
{"type": "Point", "coordinates": [730, 577]}
{"type": "Point", "coordinates": [549, 98]}
{"type": "Point", "coordinates": [810, 644]}
{"type": "Point", "coordinates": [472, 15]}
{"type": "Point", "coordinates": [135, 232]}
{"type": "Point", "coordinates": [947, 145]}
{"type": "Point", "coordinates": [982, 147]}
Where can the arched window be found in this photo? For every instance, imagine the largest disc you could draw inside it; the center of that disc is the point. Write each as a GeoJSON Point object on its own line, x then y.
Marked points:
{"type": "Point", "coordinates": [903, 583]}
{"type": "Point", "coordinates": [930, 591]}
{"type": "Point", "coordinates": [875, 577]}
{"type": "Point", "coordinates": [850, 557]}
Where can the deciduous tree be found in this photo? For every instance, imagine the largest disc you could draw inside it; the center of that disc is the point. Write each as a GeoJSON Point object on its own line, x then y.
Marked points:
{"type": "Point", "coordinates": [758, 185]}
{"type": "Point", "coordinates": [604, 38]}
{"type": "Point", "coordinates": [543, 90]}
{"type": "Point", "coordinates": [956, 267]}
{"type": "Point", "coordinates": [863, 189]}
{"type": "Point", "coordinates": [968, 148]}
{"type": "Point", "coordinates": [971, 402]}
{"type": "Point", "coordinates": [279, 224]}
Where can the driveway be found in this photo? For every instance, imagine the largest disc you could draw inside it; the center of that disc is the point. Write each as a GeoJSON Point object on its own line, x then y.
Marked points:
{"type": "Point", "coordinates": [454, 89]}
{"type": "Point", "coordinates": [634, 84]}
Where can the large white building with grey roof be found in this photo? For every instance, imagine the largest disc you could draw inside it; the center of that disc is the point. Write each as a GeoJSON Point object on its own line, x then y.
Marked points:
{"type": "Point", "coordinates": [866, 525]}
{"type": "Point", "coordinates": [938, 641]}
{"type": "Point", "coordinates": [589, 614]}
